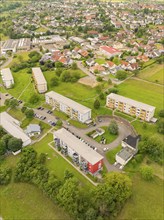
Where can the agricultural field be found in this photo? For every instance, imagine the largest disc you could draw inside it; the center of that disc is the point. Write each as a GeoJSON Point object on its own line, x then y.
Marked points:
{"type": "Point", "coordinates": [144, 92]}
{"type": "Point", "coordinates": [153, 73]}
{"type": "Point", "coordinates": [25, 201]}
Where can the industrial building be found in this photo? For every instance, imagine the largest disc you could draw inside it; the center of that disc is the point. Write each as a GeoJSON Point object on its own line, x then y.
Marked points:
{"type": "Point", "coordinates": [39, 79]}
{"type": "Point", "coordinates": [82, 155]}
{"type": "Point", "coordinates": [12, 126]}
{"type": "Point", "coordinates": [24, 44]}
{"type": "Point", "coordinates": [75, 110]}
{"type": "Point", "coordinates": [7, 78]}
{"type": "Point", "coordinates": [9, 45]}
{"type": "Point", "coordinates": [130, 106]}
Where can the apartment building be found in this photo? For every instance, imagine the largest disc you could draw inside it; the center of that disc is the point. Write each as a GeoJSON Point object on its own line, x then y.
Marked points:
{"type": "Point", "coordinates": [40, 82]}
{"type": "Point", "coordinates": [75, 110]}
{"type": "Point", "coordinates": [7, 78]}
{"type": "Point", "coordinates": [82, 155]}
{"type": "Point", "coordinates": [130, 106]}
{"type": "Point", "coordinates": [12, 127]}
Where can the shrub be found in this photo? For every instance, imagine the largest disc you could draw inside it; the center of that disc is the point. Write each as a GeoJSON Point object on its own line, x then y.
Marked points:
{"type": "Point", "coordinates": [113, 127]}
{"type": "Point", "coordinates": [121, 75]}
{"type": "Point", "coordinates": [96, 104]}
{"type": "Point", "coordinates": [146, 173]}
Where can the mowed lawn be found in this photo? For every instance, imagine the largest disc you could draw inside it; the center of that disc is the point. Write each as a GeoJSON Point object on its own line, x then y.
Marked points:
{"type": "Point", "coordinates": [153, 73]}
{"type": "Point", "coordinates": [144, 92]}
{"type": "Point", "coordinates": [56, 163]}
{"type": "Point", "coordinates": [146, 202]}
{"type": "Point", "coordinates": [25, 201]}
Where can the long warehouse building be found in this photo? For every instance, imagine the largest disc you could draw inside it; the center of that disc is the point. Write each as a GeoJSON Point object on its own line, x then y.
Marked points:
{"type": "Point", "coordinates": [12, 126]}
{"type": "Point", "coordinates": [39, 79]}
{"type": "Point", "coordinates": [130, 106]}
{"type": "Point", "coordinates": [75, 110]}
{"type": "Point", "coordinates": [7, 78]}
{"type": "Point", "coordinates": [84, 156]}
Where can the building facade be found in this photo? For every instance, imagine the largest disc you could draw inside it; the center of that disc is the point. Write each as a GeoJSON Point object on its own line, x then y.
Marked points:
{"type": "Point", "coordinates": [130, 106]}
{"type": "Point", "coordinates": [39, 79]}
{"type": "Point", "coordinates": [12, 126]}
{"type": "Point", "coordinates": [7, 78]}
{"type": "Point", "coordinates": [75, 110]}
{"type": "Point", "coordinates": [82, 155]}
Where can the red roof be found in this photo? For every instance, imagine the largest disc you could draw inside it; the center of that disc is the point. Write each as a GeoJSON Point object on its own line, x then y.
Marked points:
{"type": "Point", "coordinates": [92, 32]}
{"type": "Point", "coordinates": [110, 63]}
{"type": "Point", "coordinates": [110, 50]}
{"type": "Point", "coordinates": [103, 38]}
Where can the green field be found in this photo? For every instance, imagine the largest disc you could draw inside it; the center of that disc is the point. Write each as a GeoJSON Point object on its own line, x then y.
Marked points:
{"type": "Point", "coordinates": [109, 137]}
{"type": "Point", "coordinates": [146, 202]}
{"type": "Point", "coordinates": [151, 129]}
{"type": "Point", "coordinates": [153, 73]}
{"type": "Point", "coordinates": [24, 201]}
{"type": "Point", "coordinates": [112, 153]}
{"type": "Point", "coordinates": [41, 29]}
{"type": "Point", "coordinates": [100, 61]}
{"type": "Point", "coordinates": [144, 92]}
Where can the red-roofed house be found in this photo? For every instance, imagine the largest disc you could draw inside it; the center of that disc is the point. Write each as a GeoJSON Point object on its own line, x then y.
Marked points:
{"type": "Point", "coordinates": [109, 51]}
{"type": "Point", "coordinates": [97, 67]}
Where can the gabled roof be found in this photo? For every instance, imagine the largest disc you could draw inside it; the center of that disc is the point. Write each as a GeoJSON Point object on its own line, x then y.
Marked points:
{"type": "Point", "coordinates": [110, 50]}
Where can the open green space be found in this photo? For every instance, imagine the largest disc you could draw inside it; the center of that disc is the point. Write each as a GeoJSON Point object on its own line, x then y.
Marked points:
{"type": "Point", "coordinates": [100, 61]}
{"type": "Point", "coordinates": [25, 201]}
{"type": "Point", "coordinates": [109, 137]}
{"type": "Point", "coordinates": [77, 124]}
{"type": "Point", "coordinates": [123, 115]}
{"type": "Point", "coordinates": [19, 57]}
{"type": "Point", "coordinates": [153, 73]}
{"type": "Point", "coordinates": [16, 113]}
{"type": "Point", "coordinates": [146, 201]}
{"type": "Point", "coordinates": [41, 29]}
{"type": "Point", "coordinates": [3, 108]}
{"type": "Point", "coordinates": [143, 92]}
{"type": "Point", "coordinates": [151, 129]}
{"type": "Point", "coordinates": [112, 153]}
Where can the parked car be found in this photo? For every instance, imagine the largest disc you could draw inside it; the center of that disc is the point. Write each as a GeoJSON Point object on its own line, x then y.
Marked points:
{"type": "Point", "coordinates": [105, 149]}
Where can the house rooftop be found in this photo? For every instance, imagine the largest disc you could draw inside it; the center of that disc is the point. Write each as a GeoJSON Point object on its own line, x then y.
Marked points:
{"type": "Point", "coordinates": [33, 128]}
{"type": "Point", "coordinates": [78, 146]}
{"type": "Point", "coordinates": [110, 50]}
{"type": "Point", "coordinates": [131, 102]}
{"type": "Point", "coordinates": [69, 102]}
{"type": "Point", "coordinates": [132, 141]}
{"type": "Point", "coordinates": [124, 154]}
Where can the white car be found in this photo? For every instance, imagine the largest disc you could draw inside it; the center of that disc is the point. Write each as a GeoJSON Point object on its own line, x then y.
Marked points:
{"type": "Point", "coordinates": [105, 149]}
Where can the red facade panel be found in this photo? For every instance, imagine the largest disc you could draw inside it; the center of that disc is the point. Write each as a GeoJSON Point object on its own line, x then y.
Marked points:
{"type": "Point", "coordinates": [97, 166]}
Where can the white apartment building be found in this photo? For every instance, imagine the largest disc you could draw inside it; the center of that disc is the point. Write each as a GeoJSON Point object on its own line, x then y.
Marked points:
{"type": "Point", "coordinates": [7, 78]}
{"type": "Point", "coordinates": [130, 106]}
{"type": "Point", "coordinates": [39, 79]}
{"type": "Point", "coordinates": [12, 126]}
{"type": "Point", "coordinates": [75, 110]}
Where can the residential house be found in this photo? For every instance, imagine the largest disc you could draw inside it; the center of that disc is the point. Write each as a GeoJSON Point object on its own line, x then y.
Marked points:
{"type": "Point", "coordinates": [109, 51]}
{"type": "Point", "coordinates": [32, 130]}
{"type": "Point", "coordinates": [129, 150]}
